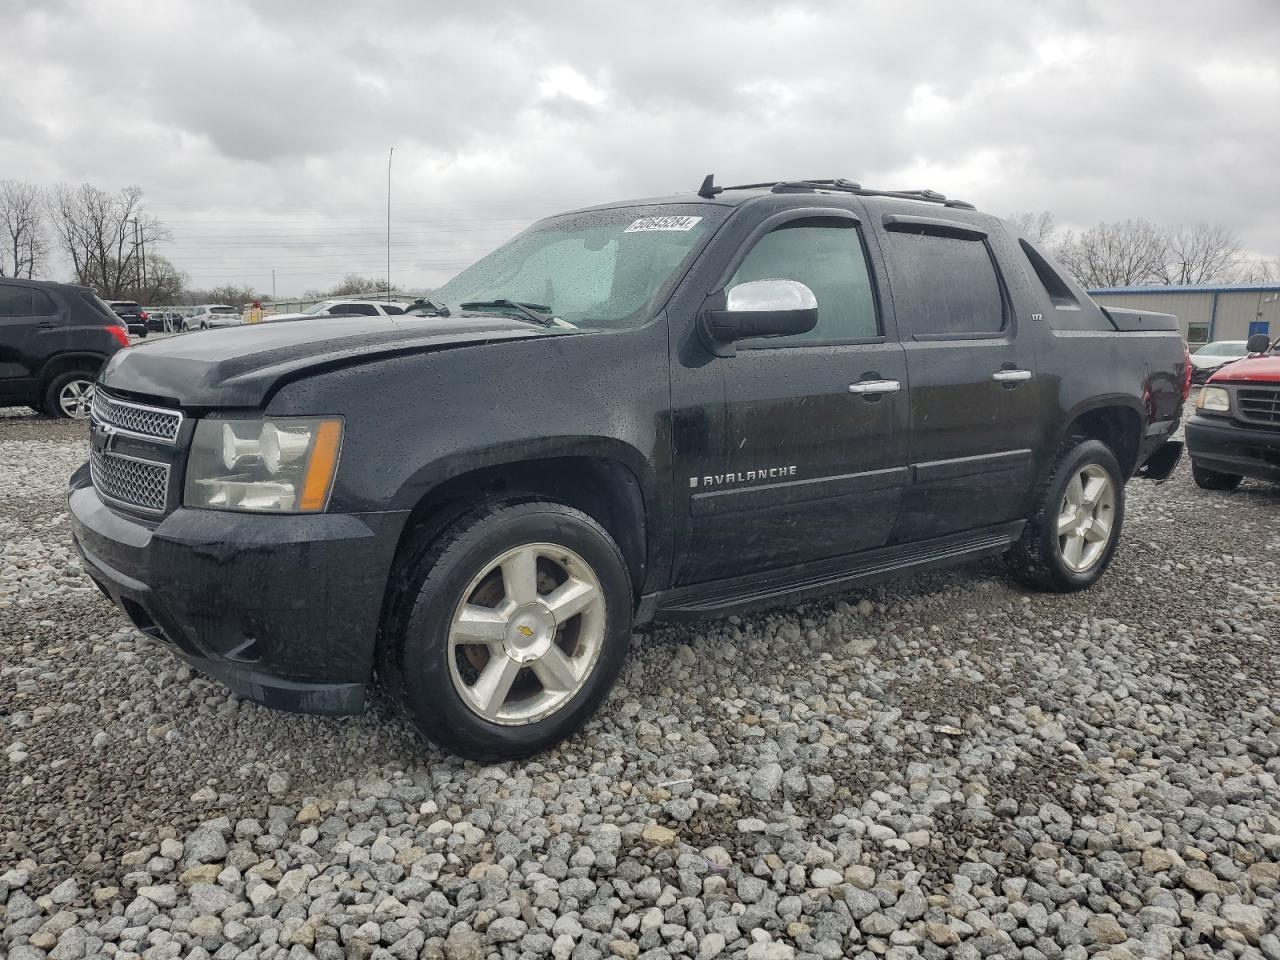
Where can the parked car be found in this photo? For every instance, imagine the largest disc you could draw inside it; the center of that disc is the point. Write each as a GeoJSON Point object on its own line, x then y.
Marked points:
{"type": "Point", "coordinates": [1212, 357]}
{"type": "Point", "coordinates": [162, 320]}
{"type": "Point", "coordinates": [54, 338]}
{"type": "Point", "coordinates": [1235, 431]}
{"type": "Point", "coordinates": [134, 316]}
{"type": "Point", "coordinates": [209, 315]}
{"type": "Point", "coordinates": [342, 308]}
{"type": "Point", "coordinates": [650, 410]}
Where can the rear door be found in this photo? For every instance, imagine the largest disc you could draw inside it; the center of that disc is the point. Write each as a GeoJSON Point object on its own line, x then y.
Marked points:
{"type": "Point", "coordinates": [811, 469]}
{"type": "Point", "coordinates": [974, 409]}
{"type": "Point", "coordinates": [31, 329]}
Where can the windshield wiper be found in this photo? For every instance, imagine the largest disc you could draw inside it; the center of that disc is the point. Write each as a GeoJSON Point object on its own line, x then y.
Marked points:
{"type": "Point", "coordinates": [440, 309]}
{"type": "Point", "coordinates": [533, 312]}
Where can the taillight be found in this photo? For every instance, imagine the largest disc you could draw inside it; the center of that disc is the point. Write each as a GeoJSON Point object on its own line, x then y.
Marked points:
{"type": "Point", "coordinates": [1186, 376]}
{"type": "Point", "coordinates": [120, 333]}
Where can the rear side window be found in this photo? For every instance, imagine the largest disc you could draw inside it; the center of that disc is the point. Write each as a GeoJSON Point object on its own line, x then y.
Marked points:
{"type": "Point", "coordinates": [827, 257]}
{"type": "Point", "coordinates": [15, 301]}
{"type": "Point", "coordinates": [392, 310]}
{"type": "Point", "coordinates": [945, 285]}
{"type": "Point", "coordinates": [42, 304]}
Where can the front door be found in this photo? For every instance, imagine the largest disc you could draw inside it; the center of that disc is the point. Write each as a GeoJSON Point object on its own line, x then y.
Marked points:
{"type": "Point", "coordinates": [30, 330]}
{"type": "Point", "coordinates": [974, 403]}
{"type": "Point", "coordinates": [814, 460]}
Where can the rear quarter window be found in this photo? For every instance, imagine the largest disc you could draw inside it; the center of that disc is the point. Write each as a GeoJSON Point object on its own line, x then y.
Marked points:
{"type": "Point", "coordinates": [945, 286]}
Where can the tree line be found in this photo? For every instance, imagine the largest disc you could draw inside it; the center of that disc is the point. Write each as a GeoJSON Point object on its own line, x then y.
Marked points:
{"type": "Point", "coordinates": [1138, 252]}
{"type": "Point", "coordinates": [110, 241]}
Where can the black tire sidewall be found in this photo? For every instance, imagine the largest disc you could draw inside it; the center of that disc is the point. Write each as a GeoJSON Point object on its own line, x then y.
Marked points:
{"type": "Point", "coordinates": [1085, 453]}
{"type": "Point", "coordinates": [424, 684]}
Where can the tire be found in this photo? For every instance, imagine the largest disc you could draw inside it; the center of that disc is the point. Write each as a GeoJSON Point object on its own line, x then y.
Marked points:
{"type": "Point", "coordinates": [433, 670]}
{"type": "Point", "coordinates": [1063, 562]}
{"type": "Point", "coordinates": [142, 334]}
{"type": "Point", "coordinates": [68, 395]}
{"type": "Point", "coordinates": [204, 326]}
{"type": "Point", "coordinates": [1213, 480]}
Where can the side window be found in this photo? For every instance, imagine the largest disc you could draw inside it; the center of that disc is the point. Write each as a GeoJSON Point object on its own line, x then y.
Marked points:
{"type": "Point", "coordinates": [945, 285]}
{"type": "Point", "coordinates": [342, 310]}
{"type": "Point", "coordinates": [364, 309]}
{"type": "Point", "coordinates": [827, 257]}
{"type": "Point", "coordinates": [15, 301]}
{"type": "Point", "coordinates": [392, 310]}
{"type": "Point", "coordinates": [42, 304]}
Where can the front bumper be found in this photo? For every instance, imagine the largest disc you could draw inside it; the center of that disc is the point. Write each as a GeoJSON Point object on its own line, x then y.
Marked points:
{"type": "Point", "coordinates": [1227, 446]}
{"type": "Point", "coordinates": [284, 610]}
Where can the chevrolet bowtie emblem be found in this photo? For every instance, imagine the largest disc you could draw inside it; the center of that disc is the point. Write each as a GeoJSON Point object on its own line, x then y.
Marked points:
{"type": "Point", "coordinates": [525, 631]}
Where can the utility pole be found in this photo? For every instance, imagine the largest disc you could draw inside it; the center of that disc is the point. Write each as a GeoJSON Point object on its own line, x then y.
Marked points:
{"type": "Point", "coordinates": [137, 277]}
{"type": "Point", "coordinates": [389, 156]}
{"type": "Point", "coordinates": [273, 284]}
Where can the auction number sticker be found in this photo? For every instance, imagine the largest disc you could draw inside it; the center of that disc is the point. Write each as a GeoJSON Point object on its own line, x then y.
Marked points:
{"type": "Point", "coordinates": [646, 224]}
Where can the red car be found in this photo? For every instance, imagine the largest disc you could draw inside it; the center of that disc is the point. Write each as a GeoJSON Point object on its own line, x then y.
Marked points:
{"type": "Point", "coordinates": [1235, 431]}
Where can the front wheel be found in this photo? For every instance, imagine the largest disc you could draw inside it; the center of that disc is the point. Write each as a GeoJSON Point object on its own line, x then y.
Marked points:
{"type": "Point", "coordinates": [506, 632]}
{"type": "Point", "coordinates": [1213, 480]}
{"type": "Point", "coordinates": [1069, 540]}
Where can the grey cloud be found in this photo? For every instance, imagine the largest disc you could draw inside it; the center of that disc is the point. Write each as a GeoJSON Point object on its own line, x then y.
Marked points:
{"type": "Point", "coordinates": [248, 118]}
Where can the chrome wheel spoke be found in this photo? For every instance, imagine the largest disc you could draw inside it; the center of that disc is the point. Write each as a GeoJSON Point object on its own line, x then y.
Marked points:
{"type": "Point", "coordinates": [1065, 522]}
{"type": "Point", "coordinates": [1098, 531]}
{"type": "Point", "coordinates": [493, 685]}
{"type": "Point", "coordinates": [520, 576]}
{"type": "Point", "coordinates": [1073, 550]}
{"type": "Point", "coordinates": [1075, 492]}
{"type": "Point", "coordinates": [480, 625]}
{"type": "Point", "coordinates": [555, 670]}
{"type": "Point", "coordinates": [1093, 488]}
{"type": "Point", "coordinates": [570, 598]}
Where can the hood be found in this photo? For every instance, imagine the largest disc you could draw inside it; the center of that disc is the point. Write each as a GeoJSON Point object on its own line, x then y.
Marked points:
{"type": "Point", "coordinates": [239, 366]}
{"type": "Point", "coordinates": [1253, 369]}
{"type": "Point", "coordinates": [1212, 363]}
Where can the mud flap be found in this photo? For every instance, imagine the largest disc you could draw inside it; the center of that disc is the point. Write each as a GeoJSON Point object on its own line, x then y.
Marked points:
{"type": "Point", "coordinates": [1161, 463]}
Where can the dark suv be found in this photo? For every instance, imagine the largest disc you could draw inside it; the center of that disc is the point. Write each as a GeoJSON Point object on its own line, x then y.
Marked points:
{"type": "Point", "coordinates": [54, 338]}
{"type": "Point", "coordinates": [134, 317]}
{"type": "Point", "coordinates": [647, 410]}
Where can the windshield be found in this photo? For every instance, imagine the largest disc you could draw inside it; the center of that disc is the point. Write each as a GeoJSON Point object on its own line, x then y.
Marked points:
{"type": "Point", "coordinates": [315, 308]}
{"type": "Point", "coordinates": [603, 269]}
{"type": "Point", "coordinates": [1223, 348]}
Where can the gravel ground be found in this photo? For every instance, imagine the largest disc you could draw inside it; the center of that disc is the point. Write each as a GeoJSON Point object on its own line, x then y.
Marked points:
{"type": "Point", "coordinates": [945, 766]}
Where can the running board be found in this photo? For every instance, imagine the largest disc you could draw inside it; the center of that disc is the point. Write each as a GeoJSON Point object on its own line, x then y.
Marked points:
{"type": "Point", "coordinates": [822, 577]}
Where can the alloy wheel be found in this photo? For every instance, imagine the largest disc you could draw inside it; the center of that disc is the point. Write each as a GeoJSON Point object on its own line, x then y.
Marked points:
{"type": "Point", "coordinates": [76, 398]}
{"type": "Point", "coordinates": [527, 634]}
{"type": "Point", "coordinates": [1086, 517]}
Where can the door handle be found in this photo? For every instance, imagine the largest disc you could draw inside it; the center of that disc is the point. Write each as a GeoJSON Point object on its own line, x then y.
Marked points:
{"type": "Point", "coordinates": [875, 387]}
{"type": "Point", "coordinates": [1011, 376]}
{"type": "Point", "coordinates": [46, 325]}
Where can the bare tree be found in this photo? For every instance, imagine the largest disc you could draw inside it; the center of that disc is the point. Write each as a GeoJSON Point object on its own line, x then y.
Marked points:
{"type": "Point", "coordinates": [163, 283]}
{"type": "Point", "coordinates": [232, 295]}
{"type": "Point", "coordinates": [1040, 228]}
{"type": "Point", "coordinates": [1259, 271]}
{"type": "Point", "coordinates": [1200, 253]}
{"type": "Point", "coordinates": [1115, 254]}
{"type": "Point", "coordinates": [104, 235]}
{"type": "Point", "coordinates": [22, 229]}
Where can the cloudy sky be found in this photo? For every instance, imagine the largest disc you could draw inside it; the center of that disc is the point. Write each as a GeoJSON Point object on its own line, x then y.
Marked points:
{"type": "Point", "coordinates": [259, 131]}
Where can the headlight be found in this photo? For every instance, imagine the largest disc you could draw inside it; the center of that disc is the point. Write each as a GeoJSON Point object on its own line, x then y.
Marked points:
{"type": "Point", "coordinates": [282, 465]}
{"type": "Point", "coordinates": [1214, 398]}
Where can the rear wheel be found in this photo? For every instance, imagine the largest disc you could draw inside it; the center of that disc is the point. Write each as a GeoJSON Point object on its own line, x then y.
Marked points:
{"type": "Point", "coordinates": [508, 630]}
{"type": "Point", "coordinates": [69, 395]}
{"type": "Point", "coordinates": [1213, 480]}
{"type": "Point", "coordinates": [1069, 540]}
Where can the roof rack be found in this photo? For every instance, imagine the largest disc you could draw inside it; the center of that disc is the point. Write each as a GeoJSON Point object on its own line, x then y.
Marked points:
{"type": "Point", "coordinates": [838, 184]}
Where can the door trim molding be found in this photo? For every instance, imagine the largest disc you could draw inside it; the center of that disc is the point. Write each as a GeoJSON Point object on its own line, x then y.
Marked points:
{"type": "Point", "coordinates": [932, 470]}
{"type": "Point", "coordinates": [811, 489]}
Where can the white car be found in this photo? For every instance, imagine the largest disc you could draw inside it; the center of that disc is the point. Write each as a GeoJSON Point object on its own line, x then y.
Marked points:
{"type": "Point", "coordinates": [344, 308]}
{"type": "Point", "coordinates": [1212, 357]}
{"type": "Point", "coordinates": [211, 315]}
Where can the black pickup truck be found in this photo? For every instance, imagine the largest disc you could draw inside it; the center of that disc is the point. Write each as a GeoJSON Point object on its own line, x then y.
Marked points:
{"type": "Point", "coordinates": [648, 410]}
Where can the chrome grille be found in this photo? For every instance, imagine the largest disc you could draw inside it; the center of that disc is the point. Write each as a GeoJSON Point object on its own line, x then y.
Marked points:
{"type": "Point", "coordinates": [140, 484]}
{"type": "Point", "coordinates": [154, 423]}
{"type": "Point", "coordinates": [1259, 405]}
